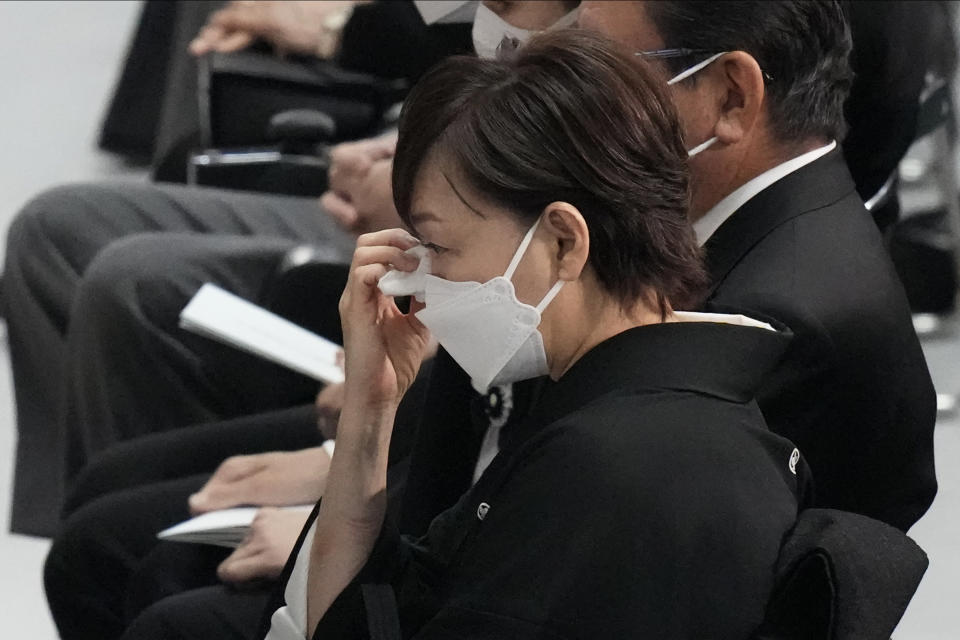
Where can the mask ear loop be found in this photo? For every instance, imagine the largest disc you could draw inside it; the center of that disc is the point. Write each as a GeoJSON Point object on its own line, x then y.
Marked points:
{"type": "Point", "coordinates": [701, 147]}
{"type": "Point", "coordinates": [547, 299]}
{"type": "Point", "coordinates": [683, 75]}
{"type": "Point", "coordinates": [518, 256]}
{"type": "Point", "coordinates": [522, 249]}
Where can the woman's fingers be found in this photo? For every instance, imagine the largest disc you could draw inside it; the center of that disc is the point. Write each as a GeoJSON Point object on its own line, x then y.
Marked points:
{"type": "Point", "coordinates": [386, 256]}
{"type": "Point", "coordinates": [388, 237]}
{"type": "Point", "coordinates": [369, 275]}
{"type": "Point", "coordinates": [375, 254]}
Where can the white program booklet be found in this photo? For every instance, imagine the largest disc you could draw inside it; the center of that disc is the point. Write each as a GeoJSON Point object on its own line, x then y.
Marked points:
{"type": "Point", "coordinates": [224, 528]}
{"type": "Point", "coordinates": [223, 316]}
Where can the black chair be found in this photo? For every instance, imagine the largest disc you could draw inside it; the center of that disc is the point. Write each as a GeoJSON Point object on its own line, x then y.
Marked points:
{"type": "Point", "coordinates": [841, 576]}
{"type": "Point", "coordinates": [266, 123]}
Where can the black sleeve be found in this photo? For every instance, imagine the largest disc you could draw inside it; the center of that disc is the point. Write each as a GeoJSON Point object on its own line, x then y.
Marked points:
{"type": "Point", "coordinates": [389, 38]}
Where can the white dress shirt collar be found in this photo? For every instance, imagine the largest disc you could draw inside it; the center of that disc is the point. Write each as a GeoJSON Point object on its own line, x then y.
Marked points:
{"type": "Point", "coordinates": [709, 223]}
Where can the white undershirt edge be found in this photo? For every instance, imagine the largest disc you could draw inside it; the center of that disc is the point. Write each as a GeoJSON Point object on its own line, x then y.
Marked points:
{"type": "Point", "coordinates": [709, 223]}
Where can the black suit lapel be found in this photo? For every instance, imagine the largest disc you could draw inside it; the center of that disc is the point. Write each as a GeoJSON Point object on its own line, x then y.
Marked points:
{"type": "Point", "coordinates": [814, 186]}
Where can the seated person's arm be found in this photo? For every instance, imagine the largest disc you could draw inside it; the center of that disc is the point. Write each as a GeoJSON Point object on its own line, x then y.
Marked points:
{"type": "Point", "coordinates": [387, 39]}
{"type": "Point", "coordinates": [383, 352]}
{"type": "Point", "coordinates": [291, 27]}
{"type": "Point", "coordinates": [359, 195]}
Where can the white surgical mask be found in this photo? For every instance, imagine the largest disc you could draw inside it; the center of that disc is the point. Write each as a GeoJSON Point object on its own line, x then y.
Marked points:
{"type": "Point", "coordinates": [489, 30]}
{"type": "Point", "coordinates": [484, 327]}
{"type": "Point", "coordinates": [683, 75]}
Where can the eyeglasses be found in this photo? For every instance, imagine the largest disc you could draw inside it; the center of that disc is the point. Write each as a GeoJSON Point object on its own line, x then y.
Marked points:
{"type": "Point", "coordinates": [682, 52]}
{"type": "Point", "coordinates": [673, 53]}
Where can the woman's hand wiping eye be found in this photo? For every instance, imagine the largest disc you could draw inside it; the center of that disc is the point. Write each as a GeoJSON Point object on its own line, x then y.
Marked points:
{"type": "Point", "coordinates": [384, 347]}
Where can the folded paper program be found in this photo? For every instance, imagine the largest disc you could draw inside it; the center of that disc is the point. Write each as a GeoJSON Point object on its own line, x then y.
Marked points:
{"type": "Point", "coordinates": [223, 528]}
{"type": "Point", "coordinates": [222, 316]}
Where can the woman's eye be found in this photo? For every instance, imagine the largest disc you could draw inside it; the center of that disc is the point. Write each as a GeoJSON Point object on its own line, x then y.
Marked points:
{"type": "Point", "coordinates": [437, 249]}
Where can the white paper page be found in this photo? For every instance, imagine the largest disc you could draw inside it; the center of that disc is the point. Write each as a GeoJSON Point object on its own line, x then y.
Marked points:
{"type": "Point", "coordinates": [224, 528]}
{"type": "Point", "coordinates": [220, 315]}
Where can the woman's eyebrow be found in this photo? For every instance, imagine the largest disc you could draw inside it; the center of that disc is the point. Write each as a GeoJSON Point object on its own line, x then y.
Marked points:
{"type": "Point", "coordinates": [418, 218]}
{"type": "Point", "coordinates": [469, 206]}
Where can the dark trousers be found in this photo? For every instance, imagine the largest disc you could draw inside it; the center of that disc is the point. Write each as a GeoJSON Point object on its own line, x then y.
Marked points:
{"type": "Point", "coordinates": [107, 572]}
{"type": "Point", "coordinates": [106, 565]}
{"type": "Point", "coordinates": [171, 455]}
{"type": "Point", "coordinates": [95, 277]}
{"type": "Point", "coordinates": [88, 572]}
{"type": "Point", "coordinates": [207, 613]}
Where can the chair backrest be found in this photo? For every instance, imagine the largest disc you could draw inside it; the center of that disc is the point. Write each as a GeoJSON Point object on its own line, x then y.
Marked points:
{"type": "Point", "coordinates": [265, 122]}
{"type": "Point", "coordinates": [841, 576]}
{"type": "Point", "coordinates": [240, 92]}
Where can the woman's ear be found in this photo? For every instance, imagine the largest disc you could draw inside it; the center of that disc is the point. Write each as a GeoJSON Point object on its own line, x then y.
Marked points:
{"type": "Point", "coordinates": [570, 237]}
{"type": "Point", "coordinates": [741, 96]}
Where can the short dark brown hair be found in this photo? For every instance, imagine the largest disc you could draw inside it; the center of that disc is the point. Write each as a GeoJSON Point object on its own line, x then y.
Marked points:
{"type": "Point", "coordinates": [804, 47]}
{"type": "Point", "coordinates": [569, 117]}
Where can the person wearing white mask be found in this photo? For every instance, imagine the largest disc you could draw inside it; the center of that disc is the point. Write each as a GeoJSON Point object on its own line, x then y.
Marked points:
{"type": "Point", "coordinates": [760, 88]}
{"type": "Point", "coordinates": [496, 20]}
{"type": "Point", "coordinates": [548, 243]}
{"type": "Point", "coordinates": [360, 200]}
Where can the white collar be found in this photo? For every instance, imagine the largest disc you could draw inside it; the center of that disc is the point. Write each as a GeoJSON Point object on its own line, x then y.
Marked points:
{"type": "Point", "coordinates": [708, 224]}
{"type": "Point", "coordinates": [720, 318]}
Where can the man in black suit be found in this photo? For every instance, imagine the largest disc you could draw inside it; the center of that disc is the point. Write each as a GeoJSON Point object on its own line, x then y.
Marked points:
{"type": "Point", "coordinates": [786, 234]}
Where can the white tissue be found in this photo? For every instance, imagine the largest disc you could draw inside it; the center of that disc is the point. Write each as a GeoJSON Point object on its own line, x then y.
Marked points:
{"type": "Point", "coordinates": [402, 283]}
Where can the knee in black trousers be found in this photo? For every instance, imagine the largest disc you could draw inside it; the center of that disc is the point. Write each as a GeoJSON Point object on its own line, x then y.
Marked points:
{"type": "Point", "coordinates": [212, 613]}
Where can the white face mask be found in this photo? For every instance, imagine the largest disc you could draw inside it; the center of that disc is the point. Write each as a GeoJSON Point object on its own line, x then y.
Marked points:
{"type": "Point", "coordinates": [484, 327]}
{"type": "Point", "coordinates": [489, 30]}
{"type": "Point", "coordinates": [683, 75]}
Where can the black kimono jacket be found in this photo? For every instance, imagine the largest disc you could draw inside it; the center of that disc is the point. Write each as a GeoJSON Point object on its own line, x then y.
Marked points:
{"type": "Point", "coordinates": [642, 497]}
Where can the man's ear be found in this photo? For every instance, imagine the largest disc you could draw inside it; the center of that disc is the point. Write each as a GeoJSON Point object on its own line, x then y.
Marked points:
{"type": "Point", "coordinates": [571, 237]}
{"type": "Point", "coordinates": [741, 96]}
